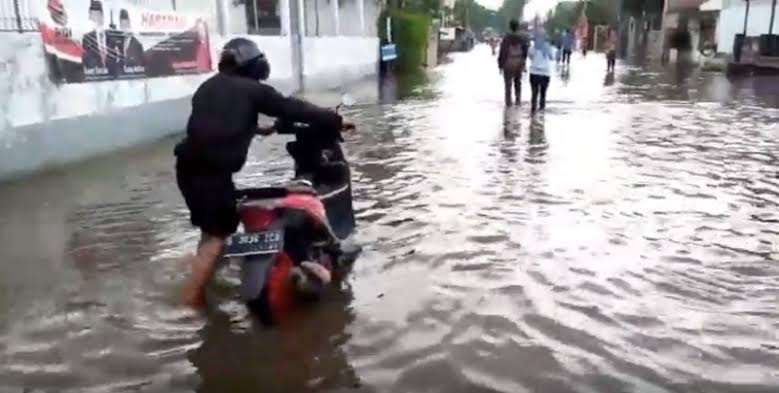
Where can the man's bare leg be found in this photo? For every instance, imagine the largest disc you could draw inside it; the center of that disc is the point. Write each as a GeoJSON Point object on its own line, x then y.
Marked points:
{"type": "Point", "coordinates": [203, 266]}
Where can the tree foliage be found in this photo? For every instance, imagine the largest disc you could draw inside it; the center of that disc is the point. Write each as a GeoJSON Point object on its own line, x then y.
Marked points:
{"type": "Point", "coordinates": [598, 12]}
{"type": "Point", "coordinates": [409, 32]}
{"type": "Point", "coordinates": [471, 14]}
{"type": "Point", "coordinates": [431, 8]}
{"type": "Point", "coordinates": [638, 7]}
{"type": "Point", "coordinates": [510, 9]}
{"type": "Point", "coordinates": [467, 13]}
{"type": "Point", "coordinates": [562, 17]}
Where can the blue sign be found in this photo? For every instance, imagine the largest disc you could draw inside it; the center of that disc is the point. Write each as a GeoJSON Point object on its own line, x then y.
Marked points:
{"type": "Point", "coordinates": [389, 52]}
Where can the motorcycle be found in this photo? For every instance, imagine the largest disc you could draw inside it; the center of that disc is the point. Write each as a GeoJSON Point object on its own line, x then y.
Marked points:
{"type": "Point", "coordinates": [292, 243]}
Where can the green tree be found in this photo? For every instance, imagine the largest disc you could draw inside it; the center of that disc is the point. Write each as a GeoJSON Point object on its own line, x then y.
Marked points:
{"type": "Point", "coordinates": [510, 9]}
{"type": "Point", "coordinates": [602, 12]}
{"type": "Point", "coordinates": [428, 7]}
{"type": "Point", "coordinates": [638, 7]}
{"type": "Point", "coordinates": [472, 14]}
{"type": "Point", "coordinates": [562, 17]}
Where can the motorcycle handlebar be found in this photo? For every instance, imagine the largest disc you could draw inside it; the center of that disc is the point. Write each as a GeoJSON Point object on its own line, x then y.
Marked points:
{"type": "Point", "coordinates": [283, 127]}
{"type": "Point", "coordinates": [304, 130]}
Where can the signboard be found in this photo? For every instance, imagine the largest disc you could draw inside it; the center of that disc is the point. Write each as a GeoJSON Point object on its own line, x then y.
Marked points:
{"type": "Point", "coordinates": [447, 33]}
{"type": "Point", "coordinates": [92, 40]}
{"type": "Point", "coordinates": [388, 52]}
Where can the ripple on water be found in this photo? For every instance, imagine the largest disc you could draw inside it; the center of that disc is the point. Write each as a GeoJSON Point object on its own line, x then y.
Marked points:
{"type": "Point", "coordinates": [624, 241]}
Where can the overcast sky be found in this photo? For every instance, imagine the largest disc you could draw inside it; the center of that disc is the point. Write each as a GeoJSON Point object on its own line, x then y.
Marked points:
{"type": "Point", "coordinates": [531, 9]}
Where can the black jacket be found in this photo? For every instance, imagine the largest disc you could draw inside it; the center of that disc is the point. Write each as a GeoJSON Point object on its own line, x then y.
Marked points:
{"type": "Point", "coordinates": [512, 39]}
{"type": "Point", "coordinates": [224, 120]}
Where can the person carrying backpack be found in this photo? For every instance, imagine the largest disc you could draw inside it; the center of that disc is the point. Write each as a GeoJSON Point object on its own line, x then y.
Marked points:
{"type": "Point", "coordinates": [511, 60]}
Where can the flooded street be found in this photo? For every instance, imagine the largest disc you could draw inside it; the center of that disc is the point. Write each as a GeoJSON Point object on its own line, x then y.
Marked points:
{"type": "Point", "coordinates": [626, 241]}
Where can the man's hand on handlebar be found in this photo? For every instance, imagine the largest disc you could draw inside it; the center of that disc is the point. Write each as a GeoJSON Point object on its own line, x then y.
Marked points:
{"type": "Point", "coordinates": [347, 126]}
{"type": "Point", "coordinates": [265, 131]}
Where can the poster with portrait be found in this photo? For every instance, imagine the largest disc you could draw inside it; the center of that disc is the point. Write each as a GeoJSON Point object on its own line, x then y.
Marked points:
{"type": "Point", "coordinates": [97, 40]}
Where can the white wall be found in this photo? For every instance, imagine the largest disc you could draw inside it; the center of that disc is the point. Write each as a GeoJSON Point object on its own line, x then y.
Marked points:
{"type": "Point", "coordinates": [349, 17]}
{"type": "Point", "coordinates": [331, 61]}
{"type": "Point", "coordinates": [731, 22]}
{"type": "Point", "coordinates": [324, 11]}
{"type": "Point", "coordinates": [28, 95]}
{"type": "Point", "coordinates": [43, 124]}
{"type": "Point", "coordinates": [207, 8]}
{"type": "Point", "coordinates": [235, 18]}
{"type": "Point", "coordinates": [372, 8]}
{"type": "Point", "coordinates": [276, 49]}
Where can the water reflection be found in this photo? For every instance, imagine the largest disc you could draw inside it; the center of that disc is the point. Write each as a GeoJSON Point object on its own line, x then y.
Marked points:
{"type": "Point", "coordinates": [305, 354]}
{"type": "Point", "coordinates": [565, 75]}
{"type": "Point", "coordinates": [537, 145]}
{"type": "Point", "coordinates": [511, 123]}
{"type": "Point", "coordinates": [609, 79]}
{"type": "Point", "coordinates": [625, 240]}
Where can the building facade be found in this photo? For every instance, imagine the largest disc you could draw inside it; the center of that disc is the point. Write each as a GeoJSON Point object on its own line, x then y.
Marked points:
{"type": "Point", "coordinates": [80, 78]}
{"type": "Point", "coordinates": [733, 17]}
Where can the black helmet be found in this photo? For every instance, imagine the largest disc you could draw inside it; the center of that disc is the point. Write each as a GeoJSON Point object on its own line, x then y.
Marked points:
{"type": "Point", "coordinates": [242, 57]}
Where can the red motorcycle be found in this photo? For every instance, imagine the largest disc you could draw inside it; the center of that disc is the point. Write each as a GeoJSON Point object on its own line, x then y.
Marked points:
{"type": "Point", "coordinates": [292, 244]}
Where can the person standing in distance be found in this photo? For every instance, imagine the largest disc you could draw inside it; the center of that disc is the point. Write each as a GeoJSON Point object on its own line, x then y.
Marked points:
{"type": "Point", "coordinates": [540, 70]}
{"type": "Point", "coordinates": [568, 43]}
{"type": "Point", "coordinates": [611, 50]}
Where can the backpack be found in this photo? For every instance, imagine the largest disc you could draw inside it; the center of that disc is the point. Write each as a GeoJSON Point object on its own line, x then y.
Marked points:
{"type": "Point", "coordinates": [515, 59]}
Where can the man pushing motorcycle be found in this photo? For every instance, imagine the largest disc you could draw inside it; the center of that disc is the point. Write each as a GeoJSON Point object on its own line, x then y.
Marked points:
{"type": "Point", "coordinates": [219, 131]}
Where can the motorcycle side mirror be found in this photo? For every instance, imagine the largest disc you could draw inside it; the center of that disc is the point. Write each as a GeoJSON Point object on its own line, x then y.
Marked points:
{"type": "Point", "coordinates": [346, 100]}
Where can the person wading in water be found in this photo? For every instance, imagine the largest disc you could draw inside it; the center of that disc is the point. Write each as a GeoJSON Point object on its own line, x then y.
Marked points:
{"type": "Point", "coordinates": [511, 60]}
{"type": "Point", "coordinates": [611, 50]}
{"type": "Point", "coordinates": [540, 70]}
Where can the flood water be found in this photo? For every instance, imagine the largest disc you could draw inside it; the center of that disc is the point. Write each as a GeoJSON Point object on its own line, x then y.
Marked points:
{"type": "Point", "coordinates": [628, 241]}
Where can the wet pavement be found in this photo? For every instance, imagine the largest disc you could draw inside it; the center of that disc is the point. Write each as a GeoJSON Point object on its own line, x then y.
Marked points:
{"type": "Point", "coordinates": [626, 241]}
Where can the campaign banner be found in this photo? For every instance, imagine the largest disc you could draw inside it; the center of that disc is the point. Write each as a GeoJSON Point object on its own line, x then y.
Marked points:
{"type": "Point", "coordinates": [94, 40]}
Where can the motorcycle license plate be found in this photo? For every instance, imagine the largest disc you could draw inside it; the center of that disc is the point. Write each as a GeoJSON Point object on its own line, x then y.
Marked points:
{"type": "Point", "coordinates": [254, 243]}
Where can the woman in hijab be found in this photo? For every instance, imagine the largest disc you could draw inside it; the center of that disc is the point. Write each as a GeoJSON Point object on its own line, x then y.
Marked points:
{"type": "Point", "coordinates": [540, 70]}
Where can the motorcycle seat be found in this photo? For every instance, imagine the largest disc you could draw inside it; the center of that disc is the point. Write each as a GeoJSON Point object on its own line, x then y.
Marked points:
{"type": "Point", "coordinates": [295, 186]}
{"type": "Point", "coordinates": [300, 186]}
{"type": "Point", "coordinates": [261, 193]}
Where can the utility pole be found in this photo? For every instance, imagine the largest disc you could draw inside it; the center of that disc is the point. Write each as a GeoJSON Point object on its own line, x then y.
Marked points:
{"type": "Point", "coordinates": [467, 13]}
{"type": "Point", "coordinates": [620, 47]}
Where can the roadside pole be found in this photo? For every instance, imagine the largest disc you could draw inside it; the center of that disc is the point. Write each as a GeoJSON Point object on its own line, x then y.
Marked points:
{"type": "Point", "coordinates": [620, 26]}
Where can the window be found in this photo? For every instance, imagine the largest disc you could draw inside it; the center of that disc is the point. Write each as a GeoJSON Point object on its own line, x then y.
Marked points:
{"type": "Point", "coordinates": [17, 15]}
{"type": "Point", "coordinates": [319, 18]}
{"type": "Point", "coordinates": [263, 17]}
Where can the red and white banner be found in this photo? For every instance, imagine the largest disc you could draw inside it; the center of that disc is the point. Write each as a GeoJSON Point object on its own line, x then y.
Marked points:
{"type": "Point", "coordinates": [89, 40]}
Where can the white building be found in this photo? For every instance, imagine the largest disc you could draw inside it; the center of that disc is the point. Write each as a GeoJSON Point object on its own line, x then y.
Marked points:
{"type": "Point", "coordinates": [731, 21]}
{"type": "Point", "coordinates": [316, 44]}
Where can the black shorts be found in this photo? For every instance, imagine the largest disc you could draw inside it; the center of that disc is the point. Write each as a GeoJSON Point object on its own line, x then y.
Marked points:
{"type": "Point", "coordinates": [211, 201]}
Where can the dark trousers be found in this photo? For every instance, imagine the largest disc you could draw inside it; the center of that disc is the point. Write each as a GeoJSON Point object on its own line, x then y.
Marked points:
{"type": "Point", "coordinates": [567, 56]}
{"type": "Point", "coordinates": [538, 85]}
{"type": "Point", "coordinates": [512, 80]}
{"type": "Point", "coordinates": [611, 60]}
